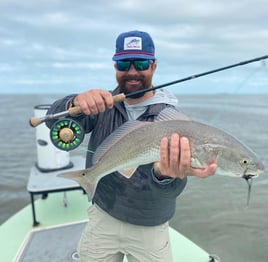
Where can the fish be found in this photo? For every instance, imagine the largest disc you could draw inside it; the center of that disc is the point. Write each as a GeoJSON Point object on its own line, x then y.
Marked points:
{"type": "Point", "coordinates": [137, 143]}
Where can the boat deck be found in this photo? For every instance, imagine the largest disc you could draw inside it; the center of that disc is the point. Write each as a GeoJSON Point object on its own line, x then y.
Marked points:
{"type": "Point", "coordinates": [61, 226]}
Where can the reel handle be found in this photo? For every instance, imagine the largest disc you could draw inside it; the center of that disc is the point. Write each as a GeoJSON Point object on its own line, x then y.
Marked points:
{"type": "Point", "coordinates": [35, 121]}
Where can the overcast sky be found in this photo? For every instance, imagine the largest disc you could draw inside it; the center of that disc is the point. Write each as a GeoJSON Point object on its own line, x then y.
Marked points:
{"type": "Point", "coordinates": [63, 46]}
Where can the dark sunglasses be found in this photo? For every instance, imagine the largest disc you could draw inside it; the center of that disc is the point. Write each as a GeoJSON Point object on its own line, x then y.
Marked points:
{"type": "Point", "coordinates": [140, 65]}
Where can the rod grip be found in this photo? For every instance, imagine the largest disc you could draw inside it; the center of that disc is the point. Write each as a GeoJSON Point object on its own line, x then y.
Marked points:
{"type": "Point", "coordinates": [77, 110]}
{"type": "Point", "coordinates": [35, 121]}
{"type": "Point", "coordinates": [74, 110]}
{"type": "Point", "coordinates": [119, 98]}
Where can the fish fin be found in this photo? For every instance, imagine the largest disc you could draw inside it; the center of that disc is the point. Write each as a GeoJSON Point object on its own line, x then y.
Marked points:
{"type": "Point", "coordinates": [79, 177]}
{"type": "Point", "coordinates": [127, 172]}
{"type": "Point", "coordinates": [116, 136]}
{"type": "Point", "coordinates": [208, 154]}
{"type": "Point", "coordinates": [195, 163]}
{"type": "Point", "coordinates": [171, 113]}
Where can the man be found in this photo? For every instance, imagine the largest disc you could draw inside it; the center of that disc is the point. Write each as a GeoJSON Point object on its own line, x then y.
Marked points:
{"type": "Point", "coordinates": [130, 216]}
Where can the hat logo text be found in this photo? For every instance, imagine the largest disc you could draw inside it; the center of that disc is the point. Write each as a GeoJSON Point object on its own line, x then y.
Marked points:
{"type": "Point", "coordinates": [132, 43]}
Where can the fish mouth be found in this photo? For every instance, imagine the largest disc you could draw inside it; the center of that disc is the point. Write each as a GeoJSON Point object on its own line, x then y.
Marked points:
{"type": "Point", "coordinates": [249, 176]}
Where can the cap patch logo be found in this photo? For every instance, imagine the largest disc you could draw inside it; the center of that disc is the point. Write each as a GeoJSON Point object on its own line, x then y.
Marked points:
{"type": "Point", "coordinates": [133, 42]}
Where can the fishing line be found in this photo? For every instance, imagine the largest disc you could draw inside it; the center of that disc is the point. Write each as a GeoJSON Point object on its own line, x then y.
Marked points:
{"type": "Point", "coordinates": [250, 182]}
{"type": "Point", "coordinates": [85, 149]}
{"type": "Point", "coordinates": [217, 115]}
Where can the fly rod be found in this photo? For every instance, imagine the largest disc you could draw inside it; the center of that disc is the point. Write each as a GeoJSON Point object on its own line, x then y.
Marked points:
{"type": "Point", "coordinates": [34, 121]}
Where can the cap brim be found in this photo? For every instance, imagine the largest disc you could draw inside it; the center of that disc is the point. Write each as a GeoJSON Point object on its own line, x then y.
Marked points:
{"type": "Point", "coordinates": [132, 56]}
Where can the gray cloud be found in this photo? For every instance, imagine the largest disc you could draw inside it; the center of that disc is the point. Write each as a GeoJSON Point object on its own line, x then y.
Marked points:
{"type": "Point", "coordinates": [62, 45]}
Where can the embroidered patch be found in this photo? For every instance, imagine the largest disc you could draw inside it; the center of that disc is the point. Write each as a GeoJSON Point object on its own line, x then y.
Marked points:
{"type": "Point", "coordinates": [133, 42]}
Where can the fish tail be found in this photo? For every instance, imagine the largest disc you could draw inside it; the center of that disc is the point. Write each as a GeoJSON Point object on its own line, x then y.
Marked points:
{"type": "Point", "coordinates": [80, 177]}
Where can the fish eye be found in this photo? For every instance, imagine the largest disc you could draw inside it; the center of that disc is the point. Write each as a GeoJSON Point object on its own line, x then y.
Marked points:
{"type": "Point", "coordinates": [244, 162]}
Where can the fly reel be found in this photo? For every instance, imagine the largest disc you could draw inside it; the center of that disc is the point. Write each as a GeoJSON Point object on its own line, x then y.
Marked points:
{"type": "Point", "coordinates": [66, 134]}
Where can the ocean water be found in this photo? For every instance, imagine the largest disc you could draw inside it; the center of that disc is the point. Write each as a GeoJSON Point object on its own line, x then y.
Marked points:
{"type": "Point", "coordinates": [211, 212]}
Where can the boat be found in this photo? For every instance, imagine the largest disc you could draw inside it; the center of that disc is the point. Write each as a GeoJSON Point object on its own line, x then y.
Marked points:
{"type": "Point", "coordinates": [49, 228]}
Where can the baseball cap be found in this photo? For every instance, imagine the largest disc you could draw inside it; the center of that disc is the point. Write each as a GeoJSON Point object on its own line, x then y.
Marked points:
{"type": "Point", "coordinates": [134, 44]}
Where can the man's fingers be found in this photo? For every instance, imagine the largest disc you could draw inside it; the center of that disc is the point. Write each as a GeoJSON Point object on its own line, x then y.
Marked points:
{"type": "Point", "coordinates": [205, 172]}
{"type": "Point", "coordinates": [95, 101]}
{"type": "Point", "coordinates": [164, 154]}
{"type": "Point", "coordinates": [185, 153]}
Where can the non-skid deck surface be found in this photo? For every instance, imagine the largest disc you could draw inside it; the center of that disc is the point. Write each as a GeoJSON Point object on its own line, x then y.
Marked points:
{"type": "Point", "coordinates": [55, 244]}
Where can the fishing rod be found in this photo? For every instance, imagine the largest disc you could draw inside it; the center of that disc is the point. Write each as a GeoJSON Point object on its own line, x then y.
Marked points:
{"type": "Point", "coordinates": [67, 134]}
{"type": "Point", "coordinates": [121, 97]}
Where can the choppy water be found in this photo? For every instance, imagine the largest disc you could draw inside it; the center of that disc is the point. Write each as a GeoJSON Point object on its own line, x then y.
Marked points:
{"type": "Point", "coordinates": [211, 212]}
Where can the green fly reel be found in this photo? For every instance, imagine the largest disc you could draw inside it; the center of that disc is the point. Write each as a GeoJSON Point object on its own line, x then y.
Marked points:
{"type": "Point", "coordinates": [66, 134]}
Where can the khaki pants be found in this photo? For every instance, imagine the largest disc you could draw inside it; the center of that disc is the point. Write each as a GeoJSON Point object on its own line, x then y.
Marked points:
{"type": "Point", "coordinates": [106, 239]}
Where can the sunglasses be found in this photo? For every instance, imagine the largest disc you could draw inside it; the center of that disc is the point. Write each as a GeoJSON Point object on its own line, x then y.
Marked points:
{"type": "Point", "coordinates": [140, 65]}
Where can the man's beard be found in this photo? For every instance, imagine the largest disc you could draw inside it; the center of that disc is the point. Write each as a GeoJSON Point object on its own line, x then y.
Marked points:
{"type": "Point", "coordinates": [124, 88]}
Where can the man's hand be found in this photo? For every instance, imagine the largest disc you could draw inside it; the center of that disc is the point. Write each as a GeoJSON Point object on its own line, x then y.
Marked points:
{"type": "Point", "coordinates": [94, 101]}
{"type": "Point", "coordinates": [175, 159]}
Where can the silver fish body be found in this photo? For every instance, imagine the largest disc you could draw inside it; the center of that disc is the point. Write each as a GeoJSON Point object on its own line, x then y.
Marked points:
{"type": "Point", "coordinates": [137, 143]}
